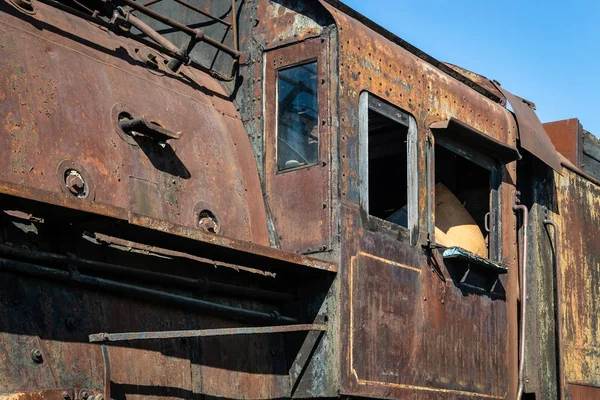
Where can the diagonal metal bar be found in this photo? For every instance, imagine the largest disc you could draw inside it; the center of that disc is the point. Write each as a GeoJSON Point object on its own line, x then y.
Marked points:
{"type": "Point", "coordinates": [117, 337]}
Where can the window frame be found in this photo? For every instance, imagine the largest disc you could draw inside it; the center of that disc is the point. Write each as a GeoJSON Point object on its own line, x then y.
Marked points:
{"type": "Point", "coordinates": [306, 61]}
{"type": "Point", "coordinates": [495, 204]}
{"type": "Point", "coordinates": [368, 101]}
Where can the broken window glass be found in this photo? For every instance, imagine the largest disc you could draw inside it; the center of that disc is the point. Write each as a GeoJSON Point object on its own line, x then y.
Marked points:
{"type": "Point", "coordinates": [297, 117]}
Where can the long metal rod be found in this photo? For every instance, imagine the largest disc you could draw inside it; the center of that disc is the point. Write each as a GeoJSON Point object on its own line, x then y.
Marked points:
{"type": "Point", "coordinates": [151, 33]}
{"type": "Point", "coordinates": [198, 285]}
{"type": "Point", "coordinates": [117, 337]}
{"type": "Point", "coordinates": [151, 295]}
{"type": "Point", "coordinates": [192, 32]}
{"type": "Point", "coordinates": [559, 357]}
{"type": "Point", "coordinates": [150, 2]}
{"type": "Point", "coordinates": [234, 25]}
{"type": "Point", "coordinates": [519, 207]}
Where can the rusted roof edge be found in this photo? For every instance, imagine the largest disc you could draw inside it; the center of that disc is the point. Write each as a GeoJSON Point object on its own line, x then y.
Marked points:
{"type": "Point", "coordinates": [564, 161]}
{"type": "Point", "coordinates": [486, 144]}
{"type": "Point", "coordinates": [532, 135]}
{"type": "Point", "coordinates": [412, 49]}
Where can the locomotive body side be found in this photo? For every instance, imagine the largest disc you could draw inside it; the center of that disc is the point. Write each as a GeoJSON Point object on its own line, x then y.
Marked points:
{"type": "Point", "coordinates": [336, 218]}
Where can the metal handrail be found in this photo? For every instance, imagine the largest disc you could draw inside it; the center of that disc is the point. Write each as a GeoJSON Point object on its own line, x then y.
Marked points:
{"type": "Point", "coordinates": [159, 42]}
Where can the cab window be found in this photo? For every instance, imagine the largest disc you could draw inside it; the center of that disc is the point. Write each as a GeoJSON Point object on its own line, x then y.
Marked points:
{"type": "Point", "coordinates": [297, 116]}
{"type": "Point", "coordinates": [462, 193]}
{"type": "Point", "coordinates": [388, 162]}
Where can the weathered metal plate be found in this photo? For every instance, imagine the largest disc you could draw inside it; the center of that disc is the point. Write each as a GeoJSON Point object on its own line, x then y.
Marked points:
{"type": "Point", "coordinates": [580, 392]}
{"type": "Point", "coordinates": [55, 320]}
{"type": "Point", "coordinates": [441, 341]}
{"type": "Point", "coordinates": [532, 136]}
{"type": "Point", "coordinates": [579, 277]}
{"type": "Point", "coordinates": [55, 113]}
{"type": "Point", "coordinates": [299, 199]}
{"type": "Point", "coordinates": [460, 345]}
{"type": "Point", "coordinates": [566, 136]}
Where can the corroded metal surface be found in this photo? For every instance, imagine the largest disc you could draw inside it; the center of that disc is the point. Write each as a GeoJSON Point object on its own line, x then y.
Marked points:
{"type": "Point", "coordinates": [299, 200]}
{"type": "Point", "coordinates": [566, 135]}
{"type": "Point", "coordinates": [53, 115]}
{"type": "Point", "coordinates": [532, 136]}
{"type": "Point", "coordinates": [437, 334]}
{"type": "Point", "coordinates": [579, 276]}
{"type": "Point", "coordinates": [582, 392]}
{"type": "Point", "coordinates": [140, 254]}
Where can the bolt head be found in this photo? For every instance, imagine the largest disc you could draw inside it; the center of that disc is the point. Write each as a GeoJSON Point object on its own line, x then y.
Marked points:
{"type": "Point", "coordinates": [36, 356]}
{"type": "Point", "coordinates": [208, 224]}
{"type": "Point", "coordinates": [75, 183]}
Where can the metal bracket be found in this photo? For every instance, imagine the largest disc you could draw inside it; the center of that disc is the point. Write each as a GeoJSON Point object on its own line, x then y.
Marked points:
{"type": "Point", "coordinates": [118, 337]}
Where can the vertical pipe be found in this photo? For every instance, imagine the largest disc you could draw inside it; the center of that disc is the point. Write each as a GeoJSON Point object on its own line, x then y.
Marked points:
{"type": "Point", "coordinates": [519, 207]}
{"type": "Point", "coordinates": [234, 24]}
{"type": "Point", "coordinates": [106, 371]}
{"type": "Point", "coordinates": [559, 357]}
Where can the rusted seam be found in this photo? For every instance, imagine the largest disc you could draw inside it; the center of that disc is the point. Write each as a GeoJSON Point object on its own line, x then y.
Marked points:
{"type": "Point", "coordinates": [519, 207]}
{"type": "Point", "coordinates": [558, 305]}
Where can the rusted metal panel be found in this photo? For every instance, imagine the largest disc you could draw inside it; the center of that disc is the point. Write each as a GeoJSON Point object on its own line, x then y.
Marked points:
{"type": "Point", "coordinates": [536, 182]}
{"type": "Point", "coordinates": [566, 135]}
{"type": "Point", "coordinates": [424, 358]}
{"type": "Point", "coordinates": [50, 118]}
{"type": "Point", "coordinates": [285, 22]}
{"type": "Point", "coordinates": [299, 199]}
{"type": "Point", "coordinates": [532, 136]}
{"type": "Point", "coordinates": [578, 278]}
{"type": "Point", "coordinates": [479, 80]}
{"type": "Point", "coordinates": [136, 371]}
{"type": "Point", "coordinates": [441, 342]}
{"type": "Point", "coordinates": [581, 392]}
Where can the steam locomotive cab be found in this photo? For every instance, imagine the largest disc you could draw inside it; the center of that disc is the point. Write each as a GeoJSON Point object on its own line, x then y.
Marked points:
{"type": "Point", "coordinates": [263, 199]}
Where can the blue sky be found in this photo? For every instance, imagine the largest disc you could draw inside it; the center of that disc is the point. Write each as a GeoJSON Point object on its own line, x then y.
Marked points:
{"type": "Point", "coordinates": [545, 51]}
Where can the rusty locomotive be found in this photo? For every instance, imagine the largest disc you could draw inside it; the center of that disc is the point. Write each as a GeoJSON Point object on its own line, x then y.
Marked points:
{"type": "Point", "coordinates": [265, 199]}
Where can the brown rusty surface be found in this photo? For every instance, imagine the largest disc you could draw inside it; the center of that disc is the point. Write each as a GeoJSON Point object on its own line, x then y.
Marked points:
{"type": "Point", "coordinates": [480, 80]}
{"type": "Point", "coordinates": [439, 341]}
{"type": "Point", "coordinates": [299, 199]}
{"type": "Point", "coordinates": [218, 243]}
{"type": "Point", "coordinates": [454, 345]}
{"type": "Point", "coordinates": [279, 25]}
{"type": "Point", "coordinates": [51, 394]}
{"type": "Point", "coordinates": [34, 316]}
{"type": "Point", "coordinates": [532, 136]}
{"type": "Point", "coordinates": [56, 112]}
{"type": "Point", "coordinates": [578, 202]}
{"type": "Point", "coordinates": [581, 392]}
{"type": "Point", "coordinates": [251, 251]}
{"type": "Point", "coordinates": [566, 135]}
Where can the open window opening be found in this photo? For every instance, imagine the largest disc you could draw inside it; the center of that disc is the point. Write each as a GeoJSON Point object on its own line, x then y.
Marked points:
{"type": "Point", "coordinates": [462, 202]}
{"type": "Point", "coordinates": [297, 116]}
{"type": "Point", "coordinates": [387, 147]}
{"type": "Point", "coordinates": [388, 160]}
